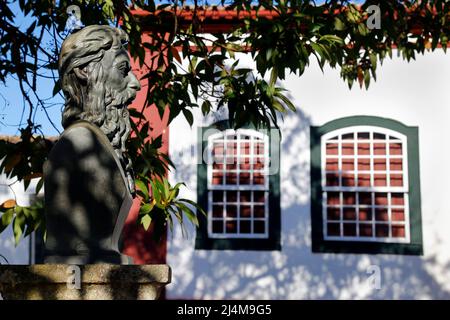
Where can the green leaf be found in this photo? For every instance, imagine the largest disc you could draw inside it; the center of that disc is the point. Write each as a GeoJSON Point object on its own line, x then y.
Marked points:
{"type": "Point", "coordinates": [155, 192]}
{"type": "Point", "coordinates": [286, 101]}
{"type": "Point", "coordinates": [142, 187]}
{"type": "Point", "coordinates": [206, 107]}
{"type": "Point", "coordinates": [6, 219]}
{"type": "Point", "coordinates": [146, 221]}
{"type": "Point", "coordinates": [57, 87]}
{"type": "Point", "coordinates": [166, 189]}
{"type": "Point", "coordinates": [39, 185]}
{"type": "Point", "coordinates": [146, 208]}
{"type": "Point", "coordinates": [189, 213]}
{"type": "Point", "coordinates": [18, 227]}
{"type": "Point", "coordinates": [338, 24]}
{"type": "Point", "coordinates": [189, 117]}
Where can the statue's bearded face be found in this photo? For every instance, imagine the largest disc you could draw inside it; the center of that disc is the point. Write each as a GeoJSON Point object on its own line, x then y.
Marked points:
{"type": "Point", "coordinates": [120, 83]}
{"type": "Point", "coordinates": [120, 87]}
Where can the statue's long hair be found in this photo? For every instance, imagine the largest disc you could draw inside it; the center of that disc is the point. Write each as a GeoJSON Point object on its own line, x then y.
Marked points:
{"type": "Point", "coordinates": [91, 99]}
{"type": "Point", "coordinates": [86, 101]}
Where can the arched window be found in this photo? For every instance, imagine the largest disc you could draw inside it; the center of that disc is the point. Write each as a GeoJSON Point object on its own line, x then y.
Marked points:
{"type": "Point", "coordinates": [238, 187]}
{"type": "Point", "coordinates": [365, 186]}
{"type": "Point", "coordinates": [238, 184]}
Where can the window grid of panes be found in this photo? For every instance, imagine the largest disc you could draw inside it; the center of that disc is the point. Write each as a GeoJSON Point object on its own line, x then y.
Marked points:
{"type": "Point", "coordinates": [238, 186]}
{"type": "Point", "coordinates": [365, 185]}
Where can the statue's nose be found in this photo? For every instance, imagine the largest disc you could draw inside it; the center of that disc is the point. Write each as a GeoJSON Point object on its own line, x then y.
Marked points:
{"type": "Point", "coordinates": [134, 83]}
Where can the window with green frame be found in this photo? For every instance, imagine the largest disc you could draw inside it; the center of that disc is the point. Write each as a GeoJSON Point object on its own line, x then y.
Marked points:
{"type": "Point", "coordinates": [365, 187]}
{"type": "Point", "coordinates": [238, 187]}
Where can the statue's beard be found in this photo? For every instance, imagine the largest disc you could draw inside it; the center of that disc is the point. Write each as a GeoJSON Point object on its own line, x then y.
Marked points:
{"type": "Point", "coordinates": [117, 127]}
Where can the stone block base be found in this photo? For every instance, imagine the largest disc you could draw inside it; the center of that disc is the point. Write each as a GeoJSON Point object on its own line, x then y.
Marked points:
{"type": "Point", "coordinates": [84, 282]}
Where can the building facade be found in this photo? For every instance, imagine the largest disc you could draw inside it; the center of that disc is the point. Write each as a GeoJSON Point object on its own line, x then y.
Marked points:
{"type": "Point", "coordinates": [346, 200]}
{"type": "Point", "coordinates": [351, 205]}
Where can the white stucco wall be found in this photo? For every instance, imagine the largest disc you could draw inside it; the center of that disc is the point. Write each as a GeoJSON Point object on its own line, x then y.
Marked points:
{"type": "Point", "coordinates": [8, 250]}
{"type": "Point", "coordinates": [415, 94]}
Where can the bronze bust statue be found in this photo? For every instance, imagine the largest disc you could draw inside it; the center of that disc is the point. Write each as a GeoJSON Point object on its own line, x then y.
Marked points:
{"type": "Point", "coordinates": [88, 177]}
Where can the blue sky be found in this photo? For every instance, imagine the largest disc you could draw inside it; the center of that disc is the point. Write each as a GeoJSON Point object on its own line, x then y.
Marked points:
{"type": "Point", "coordinates": [13, 109]}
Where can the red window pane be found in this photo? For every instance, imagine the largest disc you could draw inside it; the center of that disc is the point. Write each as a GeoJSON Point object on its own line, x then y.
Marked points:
{"type": "Point", "coordinates": [363, 148]}
{"type": "Point", "coordinates": [397, 199]}
{"type": "Point", "coordinates": [259, 196]}
{"type": "Point", "coordinates": [230, 165]}
{"type": "Point", "coordinates": [231, 211]}
{"type": "Point", "coordinates": [244, 178]}
{"type": "Point", "coordinates": [245, 148]}
{"type": "Point", "coordinates": [217, 178]}
{"type": "Point", "coordinates": [333, 213]}
{"type": "Point", "coordinates": [363, 135]}
{"type": "Point", "coordinates": [396, 180]}
{"type": "Point", "coordinates": [398, 215]}
{"type": "Point", "coordinates": [258, 178]}
{"type": "Point", "coordinates": [348, 136]}
{"type": "Point", "coordinates": [231, 178]}
{"type": "Point", "coordinates": [217, 211]}
{"type": "Point", "coordinates": [259, 226]}
{"type": "Point", "coordinates": [381, 199]}
{"type": "Point", "coordinates": [258, 211]}
{"type": "Point", "coordinates": [381, 214]}
{"type": "Point", "coordinates": [395, 148]}
{"type": "Point", "coordinates": [231, 148]}
{"type": "Point", "coordinates": [349, 214]}
{"type": "Point", "coordinates": [365, 214]}
{"type": "Point", "coordinates": [363, 164]}
{"type": "Point", "coordinates": [398, 231]}
{"type": "Point", "coordinates": [364, 180]}
{"type": "Point", "coordinates": [258, 163]}
{"type": "Point", "coordinates": [332, 165]}
{"type": "Point", "coordinates": [217, 166]}
{"type": "Point", "coordinates": [333, 198]}
{"type": "Point", "coordinates": [259, 149]}
{"type": "Point", "coordinates": [379, 148]}
{"type": "Point", "coordinates": [365, 198]}
{"type": "Point", "coordinates": [350, 229]}
{"type": "Point", "coordinates": [231, 196]}
{"type": "Point", "coordinates": [231, 226]}
{"type": "Point", "coordinates": [381, 230]}
{"type": "Point", "coordinates": [217, 196]}
{"type": "Point", "coordinates": [379, 164]}
{"type": "Point", "coordinates": [348, 180]}
{"type": "Point", "coordinates": [332, 148]}
{"type": "Point", "coordinates": [218, 149]}
{"type": "Point", "coordinates": [380, 180]}
{"type": "Point", "coordinates": [245, 226]}
{"type": "Point", "coordinates": [349, 198]}
{"type": "Point", "coordinates": [348, 164]}
{"type": "Point", "coordinates": [365, 230]}
{"type": "Point", "coordinates": [245, 163]}
{"type": "Point", "coordinates": [332, 179]}
{"type": "Point", "coordinates": [348, 149]}
{"type": "Point", "coordinates": [396, 164]}
{"type": "Point", "coordinates": [246, 211]}
{"type": "Point", "coordinates": [333, 229]}
{"type": "Point", "coordinates": [217, 226]}
{"type": "Point", "coordinates": [245, 196]}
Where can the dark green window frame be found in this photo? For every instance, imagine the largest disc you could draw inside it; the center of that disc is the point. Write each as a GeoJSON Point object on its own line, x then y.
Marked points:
{"type": "Point", "coordinates": [319, 244]}
{"type": "Point", "coordinates": [203, 241]}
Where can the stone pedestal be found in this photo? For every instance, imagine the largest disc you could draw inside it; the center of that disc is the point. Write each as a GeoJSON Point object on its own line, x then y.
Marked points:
{"type": "Point", "coordinates": [85, 282]}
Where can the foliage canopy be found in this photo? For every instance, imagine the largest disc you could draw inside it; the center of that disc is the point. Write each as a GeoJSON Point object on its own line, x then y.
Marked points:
{"type": "Point", "coordinates": [281, 36]}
